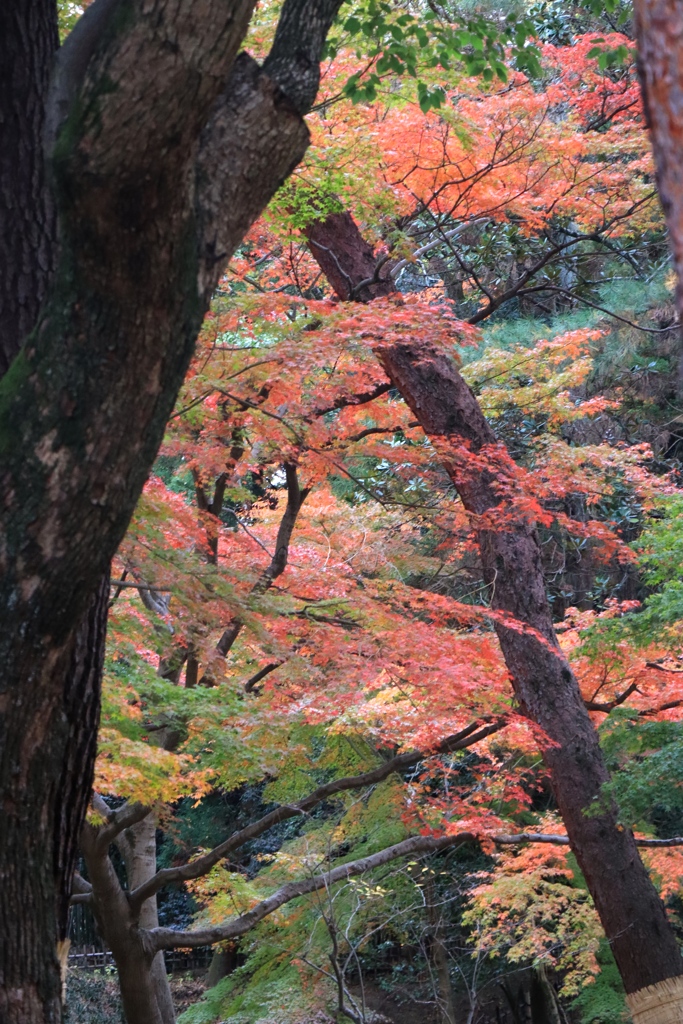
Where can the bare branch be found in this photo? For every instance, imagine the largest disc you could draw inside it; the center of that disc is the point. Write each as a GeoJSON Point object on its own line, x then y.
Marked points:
{"type": "Point", "coordinates": [79, 884]}
{"type": "Point", "coordinates": [560, 840]}
{"type": "Point", "coordinates": [601, 309]}
{"type": "Point", "coordinates": [467, 737]}
{"type": "Point", "coordinates": [296, 496]}
{"type": "Point", "coordinates": [443, 236]}
{"type": "Point", "coordinates": [345, 400]}
{"type": "Point", "coordinates": [120, 584]}
{"type": "Point", "coordinates": [251, 683]}
{"type": "Point", "coordinates": [80, 897]}
{"type": "Point", "coordinates": [608, 706]}
{"type": "Point", "coordinates": [117, 820]}
{"type": "Point", "coordinates": [167, 938]}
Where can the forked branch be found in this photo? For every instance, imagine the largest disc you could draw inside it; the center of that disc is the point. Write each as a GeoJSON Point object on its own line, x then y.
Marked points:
{"type": "Point", "coordinates": [473, 733]}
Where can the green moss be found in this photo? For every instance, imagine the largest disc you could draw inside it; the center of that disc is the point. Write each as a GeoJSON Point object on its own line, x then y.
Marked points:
{"type": "Point", "coordinates": [11, 388]}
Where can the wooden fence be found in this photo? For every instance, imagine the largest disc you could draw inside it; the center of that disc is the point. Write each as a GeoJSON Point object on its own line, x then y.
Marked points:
{"type": "Point", "coordinates": [92, 958]}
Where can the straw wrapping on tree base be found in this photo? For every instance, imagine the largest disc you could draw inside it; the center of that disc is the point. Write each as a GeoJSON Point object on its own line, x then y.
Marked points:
{"type": "Point", "coordinates": [658, 1004]}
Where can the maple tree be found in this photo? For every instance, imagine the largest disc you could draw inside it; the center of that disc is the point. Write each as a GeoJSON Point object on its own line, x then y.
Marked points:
{"type": "Point", "coordinates": [314, 640]}
{"type": "Point", "coordinates": [316, 422]}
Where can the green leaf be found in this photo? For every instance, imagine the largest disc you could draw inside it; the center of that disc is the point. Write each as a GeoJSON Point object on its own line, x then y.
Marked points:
{"type": "Point", "coordinates": [352, 25]}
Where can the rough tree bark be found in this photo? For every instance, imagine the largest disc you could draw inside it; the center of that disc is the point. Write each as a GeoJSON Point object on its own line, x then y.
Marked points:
{"type": "Point", "coordinates": [28, 41]}
{"type": "Point", "coordinates": [659, 30]}
{"type": "Point", "coordinates": [346, 259]}
{"type": "Point", "coordinates": [485, 477]}
{"type": "Point", "coordinates": [54, 802]}
{"type": "Point", "coordinates": [163, 146]}
{"type": "Point", "coordinates": [633, 916]}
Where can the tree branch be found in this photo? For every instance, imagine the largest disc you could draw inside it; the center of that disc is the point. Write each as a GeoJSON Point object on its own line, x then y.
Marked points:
{"type": "Point", "coordinates": [253, 134]}
{"type": "Point", "coordinates": [167, 938]}
{"type": "Point", "coordinates": [345, 400]}
{"type": "Point", "coordinates": [467, 737]}
{"type": "Point", "coordinates": [294, 59]}
{"type": "Point", "coordinates": [117, 820]}
{"type": "Point", "coordinates": [601, 309]}
{"type": "Point", "coordinates": [80, 885]}
{"type": "Point", "coordinates": [608, 706]}
{"type": "Point", "coordinates": [296, 496]}
{"type": "Point", "coordinates": [253, 681]}
{"type": "Point", "coordinates": [560, 840]}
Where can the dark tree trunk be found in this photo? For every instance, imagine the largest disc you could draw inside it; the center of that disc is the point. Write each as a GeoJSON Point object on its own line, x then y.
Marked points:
{"type": "Point", "coordinates": [43, 799]}
{"type": "Point", "coordinates": [544, 1005]}
{"type": "Point", "coordinates": [162, 148]}
{"type": "Point", "coordinates": [346, 259]}
{"type": "Point", "coordinates": [76, 759]}
{"type": "Point", "coordinates": [631, 912]}
{"type": "Point", "coordinates": [28, 42]}
{"type": "Point", "coordinates": [633, 916]}
{"type": "Point", "coordinates": [47, 755]}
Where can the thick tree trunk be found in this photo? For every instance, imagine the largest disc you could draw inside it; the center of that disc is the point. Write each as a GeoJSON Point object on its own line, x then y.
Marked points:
{"type": "Point", "coordinates": [43, 798]}
{"type": "Point", "coordinates": [631, 912]}
{"type": "Point", "coordinates": [28, 42]}
{"type": "Point", "coordinates": [47, 754]}
{"type": "Point", "coordinates": [163, 147]}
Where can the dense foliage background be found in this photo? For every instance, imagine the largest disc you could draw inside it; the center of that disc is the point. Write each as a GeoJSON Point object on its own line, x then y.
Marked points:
{"type": "Point", "coordinates": [300, 597]}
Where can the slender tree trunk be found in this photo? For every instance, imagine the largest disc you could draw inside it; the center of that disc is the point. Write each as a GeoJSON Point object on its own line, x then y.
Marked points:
{"type": "Point", "coordinates": [633, 916]}
{"type": "Point", "coordinates": [659, 30]}
{"type": "Point", "coordinates": [631, 912]}
{"type": "Point", "coordinates": [446, 1010]}
{"type": "Point", "coordinates": [140, 854]}
{"type": "Point", "coordinates": [223, 963]}
{"type": "Point", "coordinates": [137, 982]}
